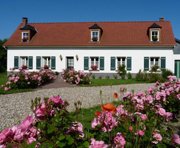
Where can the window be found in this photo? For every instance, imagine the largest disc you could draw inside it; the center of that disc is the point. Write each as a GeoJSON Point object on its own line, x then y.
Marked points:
{"type": "Point", "coordinates": [121, 61]}
{"type": "Point", "coordinates": [94, 36]}
{"type": "Point", "coordinates": [154, 35]}
{"type": "Point", "coordinates": [46, 61]}
{"type": "Point", "coordinates": [25, 36]}
{"type": "Point", "coordinates": [70, 62]}
{"type": "Point", "coordinates": [155, 61]}
{"type": "Point", "coordinates": [23, 61]}
{"type": "Point", "coordinates": [94, 63]}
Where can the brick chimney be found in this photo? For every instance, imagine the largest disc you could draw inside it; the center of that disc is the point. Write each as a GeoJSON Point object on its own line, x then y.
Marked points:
{"type": "Point", "coordinates": [161, 19]}
{"type": "Point", "coordinates": [24, 21]}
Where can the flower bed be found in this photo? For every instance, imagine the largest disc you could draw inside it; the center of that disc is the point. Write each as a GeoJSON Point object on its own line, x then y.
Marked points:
{"type": "Point", "coordinates": [24, 79]}
{"type": "Point", "coordinates": [75, 77]}
{"type": "Point", "coordinates": [138, 120]}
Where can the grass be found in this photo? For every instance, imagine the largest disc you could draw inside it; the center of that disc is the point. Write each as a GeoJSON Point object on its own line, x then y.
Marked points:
{"type": "Point", "coordinates": [104, 82]}
{"type": "Point", "coordinates": [3, 80]}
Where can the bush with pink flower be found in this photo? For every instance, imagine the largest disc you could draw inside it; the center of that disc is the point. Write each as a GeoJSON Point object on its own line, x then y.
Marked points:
{"type": "Point", "coordinates": [75, 77]}
{"type": "Point", "coordinates": [25, 79]}
{"type": "Point", "coordinates": [138, 120]}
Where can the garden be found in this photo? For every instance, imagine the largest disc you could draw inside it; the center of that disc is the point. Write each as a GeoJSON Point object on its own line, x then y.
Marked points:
{"type": "Point", "coordinates": [142, 119]}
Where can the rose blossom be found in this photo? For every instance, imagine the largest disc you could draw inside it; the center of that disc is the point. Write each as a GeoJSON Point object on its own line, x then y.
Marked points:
{"type": "Point", "coordinates": [56, 100]}
{"type": "Point", "coordinates": [119, 140]}
{"type": "Point", "coordinates": [97, 144]}
{"type": "Point", "coordinates": [176, 139]}
{"type": "Point", "coordinates": [157, 137]}
{"type": "Point", "coordinates": [140, 133]}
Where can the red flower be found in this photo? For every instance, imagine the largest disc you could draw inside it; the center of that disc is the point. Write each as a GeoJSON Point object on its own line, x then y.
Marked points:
{"type": "Point", "coordinates": [115, 95]}
{"type": "Point", "coordinates": [97, 113]}
{"type": "Point", "coordinates": [108, 107]}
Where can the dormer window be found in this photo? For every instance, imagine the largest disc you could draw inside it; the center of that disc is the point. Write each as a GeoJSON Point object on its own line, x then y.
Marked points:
{"type": "Point", "coordinates": [95, 36]}
{"type": "Point", "coordinates": [25, 36]}
{"type": "Point", "coordinates": [95, 33]}
{"type": "Point", "coordinates": [155, 35]}
{"type": "Point", "coordinates": [154, 32]}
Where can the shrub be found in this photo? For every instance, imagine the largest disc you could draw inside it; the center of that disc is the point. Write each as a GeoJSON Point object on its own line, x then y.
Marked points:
{"type": "Point", "coordinates": [153, 77]}
{"type": "Point", "coordinates": [115, 76]}
{"type": "Point", "coordinates": [139, 120]}
{"type": "Point", "coordinates": [24, 79]}
{"type": "Point", "coordinates": [122, 71]}
{"type": "Point", "coordinates": [75, 77]}
{"type": "Point", "coordinates": [129, 76]}
{"type": "Point", "coordinates": [154, 68]}
{"type": "Point", "coordinates": [139, 76]}
{"type": "Point", "coordinates": [107, 77]}
{"type": "Point", "coordinates": [166, 73]}
{"type": "Point", "coordinates": [93, 77]}
{"type": "Point", "coordinates": [100, 77]}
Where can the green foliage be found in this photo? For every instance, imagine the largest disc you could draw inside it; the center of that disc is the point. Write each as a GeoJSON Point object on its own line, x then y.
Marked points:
{"type": "Point", "coordinates": [3, 56]}
{"type": "Point", "coordinates": [154, 68]}
{"type": "Point", "coordinates": [166, 73]}
{"type": "Point", "coordinates": [129, 76]}
{"type": "Point", "coordinates": [122, 71]}
{"type": "Point", "coordinates": [115, 76]}
{"type": "Point", "coordinates": [93, 77]}
{"type": "Point", "coordinates": [107, 77]}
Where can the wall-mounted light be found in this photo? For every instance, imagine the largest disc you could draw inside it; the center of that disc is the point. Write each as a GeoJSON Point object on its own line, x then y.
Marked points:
{"type": "Point", "coordinates": [77, 58]}
{"type": "Point", "coordinates": [60, 56]}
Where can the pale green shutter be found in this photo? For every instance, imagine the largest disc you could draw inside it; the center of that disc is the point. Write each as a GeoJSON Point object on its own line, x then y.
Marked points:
{"type": "Point", "coordinates": [163, 62]}
{"type": "Point", "coordinates": [129, 63]}
{"type": "Point", "coordinates": [101, 63]}
{"type": "Point", "coordinates": [146, 63]}
{"type": "Point", "coordinates": [16, 62]}
{"type": "Point", "coordinates": [113, 63]}
{"type": "Point", "coordinates": [86, 63]}
{"type": "Point", "coordinates": [30, 60]}
{"type": "Point", "coordinates": [53, 62]}
{"type": "Point", "coordinates": [38, 62]}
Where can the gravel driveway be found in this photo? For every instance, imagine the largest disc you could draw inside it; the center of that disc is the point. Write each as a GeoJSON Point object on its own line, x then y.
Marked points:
{"type": "Point", "coordinates": [15, 107]}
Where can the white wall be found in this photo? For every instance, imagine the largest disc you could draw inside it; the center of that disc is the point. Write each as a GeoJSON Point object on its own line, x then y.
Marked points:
{"type": "Point", "coordinates": [137, 55]}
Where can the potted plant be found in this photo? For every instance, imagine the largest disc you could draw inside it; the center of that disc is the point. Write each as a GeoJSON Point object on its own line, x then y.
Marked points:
{"type": "Point", "coordinates": [94, 67]}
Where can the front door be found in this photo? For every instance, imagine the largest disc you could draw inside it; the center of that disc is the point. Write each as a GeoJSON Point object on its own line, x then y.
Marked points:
{"type": "Point", "coordinates": [70, 62]}
{"type": "Point", "coordinates": [177, 68]}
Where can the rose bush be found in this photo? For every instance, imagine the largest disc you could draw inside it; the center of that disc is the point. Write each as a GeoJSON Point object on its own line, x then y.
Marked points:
{"type": "Point", "coordinates": [138, 120]}
{"type": "Point", "coordinates": [75, 77]}
{"type": "Point", "coordinates": [25, 79]}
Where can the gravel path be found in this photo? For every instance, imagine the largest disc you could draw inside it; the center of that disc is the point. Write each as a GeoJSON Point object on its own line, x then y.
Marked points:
{"type": "Point", "coordinates": [15, 107]}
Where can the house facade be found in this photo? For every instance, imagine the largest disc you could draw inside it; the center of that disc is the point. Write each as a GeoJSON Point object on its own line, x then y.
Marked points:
{"type": "Point", "coordinates": [94, 47]}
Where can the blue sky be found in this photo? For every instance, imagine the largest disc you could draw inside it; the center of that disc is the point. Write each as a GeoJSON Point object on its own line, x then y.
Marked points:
{"type": "Point", "coordinates": [12, 11]}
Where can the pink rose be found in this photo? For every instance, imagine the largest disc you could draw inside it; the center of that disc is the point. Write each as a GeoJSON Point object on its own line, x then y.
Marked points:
{"type": "Point", "coordinates": [40, 112]}
{"type": "Point", "coordinates": [119, 140]}
{"type": "Point", "coordinates": [176, 139]}
{"type": "Point", "coordinates": [157, 137]}
{"type": "Point", "coordinates": [143, 117]}
{"type": "Point", "coordinates": [140, 133]}
{"type": "Point", "coordinates": [5, 135]}
{"type": "Point", "coordinates": [26, 123]}
{"type": "Point", "coordinates": [97, 144]}
{"type": "Point", "coordinates": [56, 100]}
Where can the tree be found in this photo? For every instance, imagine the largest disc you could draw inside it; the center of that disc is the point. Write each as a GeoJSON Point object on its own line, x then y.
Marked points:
{"type": "Point", "coordinates": [3, 56]}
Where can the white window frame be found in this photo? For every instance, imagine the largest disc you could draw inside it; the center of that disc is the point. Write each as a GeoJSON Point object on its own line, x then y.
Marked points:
{"type": "Point", "coordinates": [151, 34]}
{"type": "Point", "coordinates": [98, 35]}
{"type": "Point", "coordinates": [25, 36]}
{"type": "Point", "coordinates": [24, 61]}
{"type": "Point", "coordinates": [153, 62]}
{"type": "Point", "coordinates": [95, 61]}
{"type": "Point", "coordinates": [70, 62]}
{"type": "Point", "coordinates": [46, 60]}
{"type": "Point", "coordinates": [119, 61]}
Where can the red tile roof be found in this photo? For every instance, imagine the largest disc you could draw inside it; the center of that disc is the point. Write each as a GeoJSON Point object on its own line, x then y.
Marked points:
{"type": "Point", "coordinates": [78, 34]}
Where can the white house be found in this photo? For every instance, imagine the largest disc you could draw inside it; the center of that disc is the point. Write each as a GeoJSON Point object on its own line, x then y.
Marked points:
{"type": "Point", "coordinates": [94, 47]}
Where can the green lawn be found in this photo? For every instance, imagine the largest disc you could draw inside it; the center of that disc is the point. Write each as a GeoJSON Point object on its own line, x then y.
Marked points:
{"type": "Point", "coordinates": [104, 82]}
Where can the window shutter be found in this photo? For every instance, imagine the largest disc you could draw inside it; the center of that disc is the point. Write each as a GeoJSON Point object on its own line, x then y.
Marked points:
{"type": "Point", "coordinates": [86, 63]}
{"type": "Point", "coordinates": [16, 62]}
{"type": "Point", "coordinates": [128, 63]}
{"type": "Point", "coordinates": [146, 63]}
{"type": "Point", "coordinates": [113, 63]}
{"type": "Point", "coordinates": [53, 62]}
{"type": "Point", "coordinates": [38, 62]}
{"type": "Point", "coordinates": [101, 63]}
{"type": "Point", "coordinates": [163, 62]}
{"type": "Point", "coordinates": [30, 62]}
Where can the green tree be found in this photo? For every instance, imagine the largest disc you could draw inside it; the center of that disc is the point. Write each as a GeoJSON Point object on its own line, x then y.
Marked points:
{"type": "Point", "coordinates": [3, 56]}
